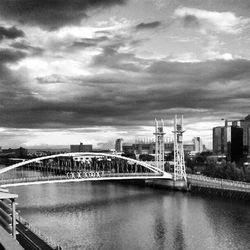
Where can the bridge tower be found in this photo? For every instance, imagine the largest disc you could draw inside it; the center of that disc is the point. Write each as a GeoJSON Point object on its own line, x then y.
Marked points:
{"type": "Point", "coordinates": [159, 144]}
{"type": "Point", "coordinates": [179, 163]}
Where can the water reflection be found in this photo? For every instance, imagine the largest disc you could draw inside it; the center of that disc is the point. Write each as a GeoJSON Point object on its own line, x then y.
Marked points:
{"type": "Point", "coordinates": [160, 226]}
{"type": "Point", "coordinates": [179, 242]}
{"type": "Point", "coordinates": [230, 221]}
{"type": "Point", "coordinates": [113, 216]}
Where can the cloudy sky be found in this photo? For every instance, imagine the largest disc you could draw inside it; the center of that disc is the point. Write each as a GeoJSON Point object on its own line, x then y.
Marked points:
{"type": "Point", "coordinates": [96, 70]}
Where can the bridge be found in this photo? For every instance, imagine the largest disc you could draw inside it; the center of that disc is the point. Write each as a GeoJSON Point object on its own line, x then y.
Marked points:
{"type": "Point", "coordinates": [78, 167]}
{"type": "Point", "coordinates": [90, 166]}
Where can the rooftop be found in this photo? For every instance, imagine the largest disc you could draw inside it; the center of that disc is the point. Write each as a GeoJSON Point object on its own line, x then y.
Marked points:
{"type": "Point", "coordinates": [247, 118]}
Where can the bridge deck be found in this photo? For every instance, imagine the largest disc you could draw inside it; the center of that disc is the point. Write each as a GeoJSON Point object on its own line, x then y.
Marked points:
{"type": "Point", "coordinates": [64, 178]}
{"type": "Point", "coordinates": [215, 183]}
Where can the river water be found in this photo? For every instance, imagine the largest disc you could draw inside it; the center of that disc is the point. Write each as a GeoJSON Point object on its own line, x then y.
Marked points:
{"type": "Point", "coordinates": [108, 216]}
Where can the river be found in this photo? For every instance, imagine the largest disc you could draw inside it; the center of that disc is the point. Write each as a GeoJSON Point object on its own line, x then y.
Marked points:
{"type": "Point", "coordinates": [108, 216]}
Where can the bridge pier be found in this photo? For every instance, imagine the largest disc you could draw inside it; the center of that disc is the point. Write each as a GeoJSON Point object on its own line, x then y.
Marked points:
{"type": "Point", "coordinates": [178, 185]}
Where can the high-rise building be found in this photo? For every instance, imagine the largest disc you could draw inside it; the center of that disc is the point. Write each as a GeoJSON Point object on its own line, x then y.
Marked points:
{"type": "Point", "coordinates": [198, 146]}
{"type": "Point", "coordinates": [235, 143]}
{"type": "Point", "coordinates": [219, 140]}
{"type": "Point", "coordinates": [118, 145]}
{"type": "Point", "coordinates": [245, 125]}
{"type": "Point", "coordinates": [228, 141]}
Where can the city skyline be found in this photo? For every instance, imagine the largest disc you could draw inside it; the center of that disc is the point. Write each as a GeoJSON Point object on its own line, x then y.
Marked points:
{"type": "Point", "coordinates": [93, 72]}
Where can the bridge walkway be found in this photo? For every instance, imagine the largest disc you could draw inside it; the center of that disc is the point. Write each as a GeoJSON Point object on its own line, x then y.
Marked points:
{"type": "Point", "coordinates": [31, 238]}
{"type": "Point", "coordinates": [216, 183]}
{"type": "Point", "coordinates": [77, 178]}
{"type": "Point", "coordinates": [7, 242]}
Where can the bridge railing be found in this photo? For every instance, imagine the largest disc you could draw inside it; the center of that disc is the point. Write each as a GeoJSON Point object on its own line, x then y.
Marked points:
{"type": "Point", "coordinates": [37, 232]}
{"type": "Point", "coordinates": [31, 179]}
{"type": "Point", "coordinates": [74, 175]}
{"type": "Point", "coordinates": [220, 183]}
{"type": "Point", "coordinates": [92, 174]}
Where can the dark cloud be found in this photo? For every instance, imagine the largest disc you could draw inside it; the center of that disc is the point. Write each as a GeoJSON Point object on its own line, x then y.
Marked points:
{"type": "Point", "coordinates": [51, 14]}
{"type": "Point", "coordinates": [82, 44]}
{"type": "Point", "coordinates": [27, 47]}
{"type": "Point", "coordinates": [88, 42]}
{"type": "Point", "coordinates": [129, 98]}
{"type": "Point", "coordinates": [9, 55]}
{"type": "Point", "coordinates": [111, 58]}
{"type": "Point", "coordinates": [151, 25]}
{"type": "Point", "coordinates": [191, 21]}
{"type": "Point", "coordinates": [12, 91]}
{"type": "Point", "coordinates": [204, 72]}
{"type": "Point", "coordinates": [10, 81]}
{"type": "Point", "coordinates": [10, 33]}
{"type": "Point", "coordinates": [51, 79]}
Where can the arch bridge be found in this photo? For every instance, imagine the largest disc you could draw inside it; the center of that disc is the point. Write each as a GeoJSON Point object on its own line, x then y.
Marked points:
{"type": "Point", "coordinates": [76, 167]}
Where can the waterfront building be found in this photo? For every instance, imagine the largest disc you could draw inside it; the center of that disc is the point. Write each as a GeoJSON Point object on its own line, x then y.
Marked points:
{"type": "Point", "coordinates": [198, 146]}
{"type": "Point", "coordinates": [218, 140]}
{"type": "Point", "coordinates": [188, 147]}
{"type": "Point", "coordinates": [245, 125]}
{"type": "Point", "coordinates": [18, 152]}
{"type": "Point", "coordinates": [228, 141]}
{"type": "Point", "coordinates": [139, 148]}
{"type": "Point", "coordinates": [118, 145]}
{"type": "Point", "coordinates": [234, 143]}
{"type": "Point", "coordinates": [144, 148]}
{"type": "Point", "coordinates": [81, 148]}
{"type": "Point", "coordinates": [169, 147]}
{"type": "Point", "coordinates": [128, 148]}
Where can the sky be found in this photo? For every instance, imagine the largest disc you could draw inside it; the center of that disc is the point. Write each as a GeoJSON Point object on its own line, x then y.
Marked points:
{"type": "Point", "coordinates": [93, 71]}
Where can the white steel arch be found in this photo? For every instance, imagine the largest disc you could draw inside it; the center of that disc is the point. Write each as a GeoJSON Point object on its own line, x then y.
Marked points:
{"type": "Point", "coordinates": [146, 165]}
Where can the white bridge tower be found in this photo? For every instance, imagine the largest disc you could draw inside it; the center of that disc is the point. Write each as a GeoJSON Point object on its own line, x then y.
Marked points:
{"type": "Point", "coordinates": [159, 144]}
{"type": "Point", "coordinates": [179, 163]}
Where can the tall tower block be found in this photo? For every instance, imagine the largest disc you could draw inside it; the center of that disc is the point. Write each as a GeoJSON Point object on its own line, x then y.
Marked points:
{"type": "Point", "coordinates": [159, 144]}
{"type": "Point", "coordinates": [179, 163]}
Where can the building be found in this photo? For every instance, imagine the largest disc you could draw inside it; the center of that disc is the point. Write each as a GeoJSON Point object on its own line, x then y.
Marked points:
{"type": "Point", "coordinates": [144, 148]}
{"type": "Point", "coordinates": [228, 141]}
{"type": "Point", "coordinates": [168, 147]}
{"type": "Point", "coordinates": [198, 146]}
{"type": "Point", "coordinates": [118, 145]}
{"type": "Point", "coordinates": [141, 147]}
{"type": "Point", "coordinates": [234, 143]}
{"type": "Point", "coordinates": [188, 147]}
{"type": "Point", "coordinates": [128, 148]}
{"type": "Point", "coordinates": [218, 140]}
{"type": "Point", "coordinates": [245, 125]}
{"type": "Point", "coordinates": [18, 152]}
{"type": "Point", "coordinates": [81, 148]}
